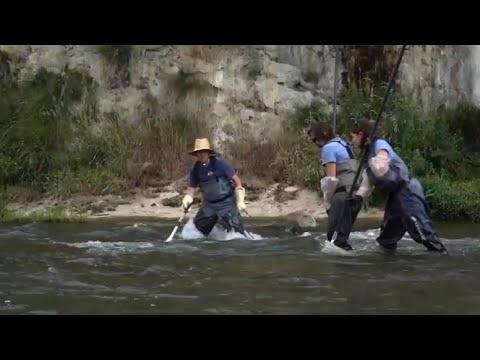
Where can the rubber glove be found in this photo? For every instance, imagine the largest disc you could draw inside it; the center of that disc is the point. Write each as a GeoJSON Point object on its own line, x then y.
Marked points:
{"type": "Point", "coordinates": [366, 188]}
{"type": "Point", "coordinates": [240, 194]}
{"type": "Point", "coordinates": [328, 184]}
{"type": "Point", "coordinates": [186, 202]}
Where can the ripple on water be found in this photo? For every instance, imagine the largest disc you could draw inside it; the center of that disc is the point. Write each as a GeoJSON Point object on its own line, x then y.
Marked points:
{"type": "Point", "coordinates": [174, 296]}
{"type": "Point", "coordinates": [97, 234]}
{"type": "Point", "coordinates": [208, 275]}
{"type": "Point", "coordinates": [130, 290]}
{"type": "Point", "coordinates": [226, 311]}
{"type": "Point", "coordinates": [83, 261]}
{"type": "Point", "coordinates": [32, 291]}
{"type": "Point", "coordinates": [43, 312]}
{"type": "Point", "coordinates": [80, 284]}
{"type": "Point", "coordinates": [113, 247]}
{"type": "Point", "coordinates": [158, 269]}
{"type": "Point", "coordinates": [12, 307]}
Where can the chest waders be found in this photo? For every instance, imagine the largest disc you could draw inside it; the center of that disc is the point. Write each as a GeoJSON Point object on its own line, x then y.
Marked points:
{"type": "Point", "coordinates": [406, 209]}
{"type": "Point", "coordinates": [216, 189]}
{"type": "Point", "coordinates": [345, 173]}
{"type": "Point", "coordinates": [338, 219]}
{"type": "Point", "coordinates": [377, 120]}
{"type": "Point", "coordinates": [219, 202]}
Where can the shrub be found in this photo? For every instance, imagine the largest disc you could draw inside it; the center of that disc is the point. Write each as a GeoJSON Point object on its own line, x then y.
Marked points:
{"type": "Point", "coordinates": [453, 199]}
{"type": "Point", "coordinates": [45, 145]}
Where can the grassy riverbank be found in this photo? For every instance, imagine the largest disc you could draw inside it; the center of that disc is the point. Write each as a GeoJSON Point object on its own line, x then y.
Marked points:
{"type": "Point", "coordinates": [48, 150]}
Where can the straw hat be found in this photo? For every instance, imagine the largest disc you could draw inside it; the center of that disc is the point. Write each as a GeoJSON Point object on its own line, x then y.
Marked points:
{"type": "Point", "coordinates": [201, 144]}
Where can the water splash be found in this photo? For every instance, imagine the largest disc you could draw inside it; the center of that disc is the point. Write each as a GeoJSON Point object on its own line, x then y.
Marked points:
{"type": "Point", "coordinates": [190, 232]}
{"type": "Point", "coordinates": [329, 248]}
{"type": "Point", "coordinates": [113, 247]}
{"type": "Point", "coordinates": [305, 234]}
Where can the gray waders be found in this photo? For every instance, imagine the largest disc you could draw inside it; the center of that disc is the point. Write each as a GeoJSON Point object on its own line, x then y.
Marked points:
{"type": "Point", "coordinates": [345, 174]}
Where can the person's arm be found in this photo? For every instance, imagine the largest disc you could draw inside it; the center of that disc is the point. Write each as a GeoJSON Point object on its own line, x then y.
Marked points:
{"type": "Point", "coordinates": [236, 180]}
{"type": "Point", "coordinates": [382, 154]}
{"type": "Point", "coordinates": [331, 169]}
{"type": "Point", "coordinates": [380, 163]}
{"type": "Point", "coordinates": [190, 191]}
{"type": "Point", "coordinates": [240, 193]}
{"type": "Point", "coordinates": [329, 183]}
{"type": "Point", "coordinates": [229, 172]}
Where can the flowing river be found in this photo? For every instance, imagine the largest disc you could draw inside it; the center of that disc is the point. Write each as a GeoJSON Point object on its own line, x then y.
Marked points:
{"type": "Point", "coordinates": [125, 267]}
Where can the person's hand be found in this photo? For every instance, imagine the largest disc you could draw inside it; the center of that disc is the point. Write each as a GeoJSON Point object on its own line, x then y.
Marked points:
{"type": "Point", "coordinates": [240, 194]}
{"type": "Point", "coordinates": [186, 202]}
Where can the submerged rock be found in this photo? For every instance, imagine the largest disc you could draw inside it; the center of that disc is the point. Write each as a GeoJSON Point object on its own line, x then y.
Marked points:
{"type": "Point", "coordinates": [295, 229]}
{"type": "Point", "coordinates": [298, 221]}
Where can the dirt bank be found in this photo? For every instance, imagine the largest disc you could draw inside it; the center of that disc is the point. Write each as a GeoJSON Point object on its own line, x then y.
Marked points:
{"type": "Point", "coordinates": [165, 203]}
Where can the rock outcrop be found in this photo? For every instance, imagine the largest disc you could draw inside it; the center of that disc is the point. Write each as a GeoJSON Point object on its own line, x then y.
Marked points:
{"type": "Point", "coordinates": [249, 87]}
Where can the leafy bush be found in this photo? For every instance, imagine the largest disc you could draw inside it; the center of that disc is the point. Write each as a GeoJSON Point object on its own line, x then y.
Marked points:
{"type": "Point", "coordinates": [442, 149]}
{"type": "Point", "coordinates": [45, 145]}
{"type": "Point", "coordinates": [453, 199]}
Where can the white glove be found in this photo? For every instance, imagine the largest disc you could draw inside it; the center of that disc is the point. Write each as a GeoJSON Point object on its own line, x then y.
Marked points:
{"type": "Point", "coordinates": [379, 166]}
{"type": "Point", "coordinates": [186, 202]}
{"type": "Point", "coordinates": [366, 188]}
{"type": "Point", "coordinates": [328, 185]}
{"type": "Point", "coordinates": [240, 194]}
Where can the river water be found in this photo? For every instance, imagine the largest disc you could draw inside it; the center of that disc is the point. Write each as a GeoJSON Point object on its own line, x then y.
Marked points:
{"type": "Point", "coordinates": [127, 268]}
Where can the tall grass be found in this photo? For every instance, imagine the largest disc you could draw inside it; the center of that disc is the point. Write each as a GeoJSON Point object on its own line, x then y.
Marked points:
{"type": "Point", "coordinates": [46, 145]}
{"type": "Point", "coordinates": [287, 155]}
{"type": "Point", "coordinates": [441, 149]}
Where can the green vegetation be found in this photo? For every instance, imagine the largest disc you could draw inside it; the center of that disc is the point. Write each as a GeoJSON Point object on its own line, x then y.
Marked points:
{"type": "Point", "coordinates": [443, 143]}
{"type": "Point", "coordinates": [288, 156]}
{"type": "Point", "coordinates": [52, 214]}
{"type": "Point", "coordinates": [441, 150]}
{"type": "Point", "coordinates": [46, 147]}
{"type": "Point", "coordinates": [451, 199]}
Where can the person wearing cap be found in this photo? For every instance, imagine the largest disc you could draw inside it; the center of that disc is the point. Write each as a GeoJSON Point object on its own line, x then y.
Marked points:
{"type": "Point", "coordinates": [222, 190]}
{"type": "Point", "coordinates": [340, 168]}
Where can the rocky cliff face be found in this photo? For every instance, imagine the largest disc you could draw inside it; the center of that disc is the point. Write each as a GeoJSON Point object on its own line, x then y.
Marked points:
{"type": "Point", "coordinates": [252, 88]}
{"type": "Point", "coordinates": [440, 75]}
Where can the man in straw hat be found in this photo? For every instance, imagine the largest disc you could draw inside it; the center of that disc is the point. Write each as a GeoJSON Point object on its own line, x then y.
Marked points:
{"type": "Point", "coordinates": [223, 194]}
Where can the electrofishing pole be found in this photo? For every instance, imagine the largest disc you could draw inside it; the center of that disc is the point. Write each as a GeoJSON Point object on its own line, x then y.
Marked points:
{"type": "Point", "coordinates": [377, 120]}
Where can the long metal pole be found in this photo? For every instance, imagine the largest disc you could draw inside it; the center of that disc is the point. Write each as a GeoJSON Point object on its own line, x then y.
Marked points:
{"type": "Point", "coordinates": [379, 114]}
{"type": "Point", "coordinates": [335, 88]}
